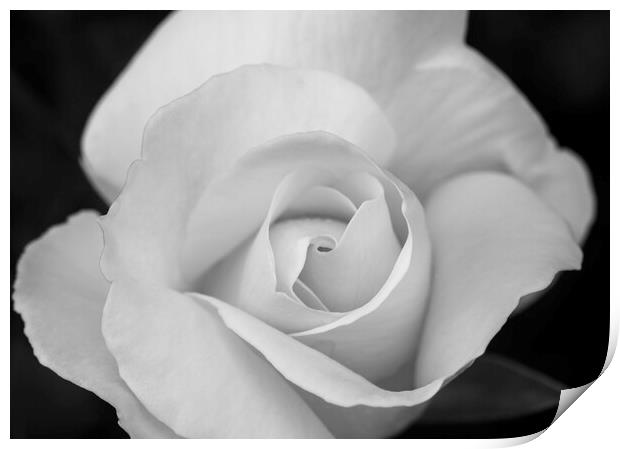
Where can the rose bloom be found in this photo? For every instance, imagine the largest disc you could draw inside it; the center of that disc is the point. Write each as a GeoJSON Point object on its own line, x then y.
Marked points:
{"type": "Point", "coordinates": [317, 220]}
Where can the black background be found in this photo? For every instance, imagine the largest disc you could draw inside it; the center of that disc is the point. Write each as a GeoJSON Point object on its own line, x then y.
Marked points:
{"type": "Point", "coordinates": [61, 63]}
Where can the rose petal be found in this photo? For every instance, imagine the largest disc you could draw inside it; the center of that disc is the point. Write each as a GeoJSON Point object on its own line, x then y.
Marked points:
{"type": "Point", "coordinates": [60, 294]}
{"type": "Point", "coordinates": [494, 242]}
{"type": "Point", "coordinates": [385, 328]}
{"type": "Point", "coordinates": [291, 241]}
{"type": "Point", "coordinates": [311, 370]}
{"type": "Point", "coordinates": [307, 211]}
{"type": "Point", "coordinates": [376, 339]}
{"type": "Point", "coordinates": [353, 272]}
{"type": "Point", "coordinates": [374, 49]}
{"type": "Point", "coordinates": [362, 421]}
{"type": "Point", "coordinates": [562, 179]}
{"type": "Point", "coordinates": [194, 374]}
{"type": "Point", "coordinates": [234, 205]}
{"type": "Point", "coordinates": [457, 113]}
{"type": "Point", "coordinates": [200, 136]}
{"type": "Point", "coordinates": [245, 279]}
{"type": "Point", "coordinates": [248, 277]}
{"type": "Point", "coordinates": [307, 296]}
{"type": "Point", "coordinates": [322, 201]}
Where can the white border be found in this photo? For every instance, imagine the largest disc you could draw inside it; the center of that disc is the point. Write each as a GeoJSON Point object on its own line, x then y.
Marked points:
{"type": "Point", "coordinates": [592, 422]}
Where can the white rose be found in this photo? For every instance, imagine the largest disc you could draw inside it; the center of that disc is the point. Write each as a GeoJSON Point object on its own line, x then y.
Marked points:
{"type": "Point", "coordinates": [315, 240]}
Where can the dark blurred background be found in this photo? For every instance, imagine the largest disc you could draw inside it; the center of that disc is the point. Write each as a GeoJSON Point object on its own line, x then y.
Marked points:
{"type": "Point", "coordinates": [62, 62]}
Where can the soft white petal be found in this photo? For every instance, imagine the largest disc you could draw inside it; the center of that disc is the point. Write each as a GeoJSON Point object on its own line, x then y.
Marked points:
{"type": "Point", "coordinates": [291, 241]}
{"type": "Point", "coordinates": [322, 201]}
{"type": "Point", "coordinates": [562, 179]}
{"type": "Point", "coordinates": [362, 421]}
{"type": "Point", "coordinates": [254, 179]}
{"type": "Point", "coordinates": [60, 294]}
{"type": "Point", "coordinates": [248, 278]}
{"type": "Point", "coordinates": [307, 296]}
{"type": "Point", "coordinates": [377, 338]}
{"type": "Point", "coordinates": [194, 374]}
{"type": "Point", "coordinates": [355, 269]}
{"type": "Point", "coordinates": [456, 113]}
{"type": "Point", "coordinates": [385, 328]}
{"type": "Point", "coordinates": [311, 370]}
{"type": "Point", "coordinates": [200, 136]}
{"type": "Point", "coordinates": [374, 49]}
{"type": "Point", "coordinates": [494, 241]}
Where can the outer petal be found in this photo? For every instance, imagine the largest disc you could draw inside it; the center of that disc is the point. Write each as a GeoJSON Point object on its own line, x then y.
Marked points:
{"type": "Point", "coordinates": [362, 421]}
{"type": "Point", "coordinates": [60, 294]}
{"type": "Point", "coordinates": [194, 374]}
{"type": "Point", "coordinates": [198, 137]}
{"type": "Point", "coordinates": [311, 370]}
{"type": "Point", "coordinates": [494, 242]}
{"type": "Point", "coordinates": [457, 113]}
{"type": "Point", "coordinates": [374, 49]}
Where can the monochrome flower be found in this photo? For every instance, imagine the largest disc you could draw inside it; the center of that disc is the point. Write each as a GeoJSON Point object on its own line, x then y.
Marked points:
{"type": "Point", "coordinates": [317, 221]}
